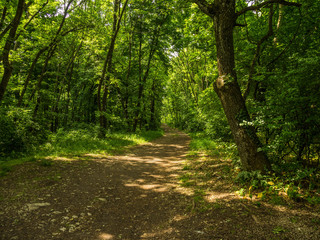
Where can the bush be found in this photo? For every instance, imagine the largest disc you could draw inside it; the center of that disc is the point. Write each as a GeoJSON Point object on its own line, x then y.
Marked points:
{"type": "Point", "coordinates": [10, 140]}
{"type": "Point", "coordinates": [19, 132]}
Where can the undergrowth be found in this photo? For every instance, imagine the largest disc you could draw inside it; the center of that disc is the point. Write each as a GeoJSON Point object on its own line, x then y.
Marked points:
{"type": "Point", "coordinates": [70, 143]}
{"type": "Point", "coordinates": [286, 182]}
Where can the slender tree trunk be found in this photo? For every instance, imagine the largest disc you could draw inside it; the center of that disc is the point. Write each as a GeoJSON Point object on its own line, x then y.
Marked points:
{"type": "Point", "coordinates": [43, 71]}
{"type": "Point", "coordinates": [251, 81]}
{"type": "Point", "coordinates": [55, 107]}
{"type": "Point", "coordinates": [125, 100]}
{"type": "Point", "coordinates": [5, 57]}
{"type": "Point", "coordinates": [280, 17]}
{"type": "Point", "coordinates": [228, 90]}
{"type": "Point", "coordinates": [137, 111]}
{"type": "Point", "coordinates": [36, 91]}
{"type": "Point", "coordinates": [143, 80]}
{"type": "Point", "coordinates": [66, 118]}
{"type": "Point", "coordinates": [26, 83]}
{"type": "Point", "coordinates": [52, 47]}
{"type": "Point", "coordinates": [107, 67]}
{"type": "Point", "coordinates": [153, 124]}
{"type": "Point", "coordinates": [104, 81]}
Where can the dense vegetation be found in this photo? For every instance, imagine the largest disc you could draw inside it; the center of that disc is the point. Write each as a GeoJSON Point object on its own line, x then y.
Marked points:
{"type": "Point", "coordinates": [246, 72]}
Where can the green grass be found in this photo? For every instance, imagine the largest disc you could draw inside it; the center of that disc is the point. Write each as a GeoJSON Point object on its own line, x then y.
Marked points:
{"type": "Point", "coordinates": [285, 183]}
{"type": "Point", "coordinates": [78, 142]}
{"type": "Point", "coordinates": [202, 143]}
{"type": "Point", "coordinates": [75, 143]}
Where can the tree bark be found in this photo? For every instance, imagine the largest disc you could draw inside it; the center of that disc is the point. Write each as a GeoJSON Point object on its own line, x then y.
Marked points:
{"type": "Point", "coordinates": [153, 123]}
{"type": "Point", "coordinates": [5, 57]}
{"type": "Point", "coordinates": [228, 90]}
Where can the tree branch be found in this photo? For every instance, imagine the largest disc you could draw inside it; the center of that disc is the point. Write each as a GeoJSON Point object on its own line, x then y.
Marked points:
{"type": "Point", "coordinates": [206, 7]}
{"type": "Point", "coordinates": [261, 5]}
{"type": "Point", "coordinates": [257, 54]}
{"type": "Point", "coordinates": [290, 42]}
{"type": "Point", "coordinates": [32, 17]}
{"type": "Point", "coordinates": [3, 16]}
{"type": "Point", "coordinates": [8, 27]}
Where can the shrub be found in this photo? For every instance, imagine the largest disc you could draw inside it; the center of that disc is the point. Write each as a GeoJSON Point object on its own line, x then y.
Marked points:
{"type": "Point", "coordinates": [19, 132]}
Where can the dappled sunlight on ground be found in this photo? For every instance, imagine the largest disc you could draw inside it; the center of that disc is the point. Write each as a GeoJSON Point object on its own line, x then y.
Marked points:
{"type": "Point", "coordinates": [139, 195]}
{"type": "Point", "coordinates": [214, 196]}
{"type": "Point", "coordinates": [106, 236]}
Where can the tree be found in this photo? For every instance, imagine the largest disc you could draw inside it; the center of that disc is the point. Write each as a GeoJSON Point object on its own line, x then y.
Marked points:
{"type": "Point", "coordinates": [224, 15]}
{"type": "Point", "coordinates": [107, 66]}
{"type": "Point", "coordinates": [7, 47]}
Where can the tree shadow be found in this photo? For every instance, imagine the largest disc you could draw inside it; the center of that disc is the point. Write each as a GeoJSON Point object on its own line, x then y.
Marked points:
{"type": "Point", "coordinates": [136, 196]}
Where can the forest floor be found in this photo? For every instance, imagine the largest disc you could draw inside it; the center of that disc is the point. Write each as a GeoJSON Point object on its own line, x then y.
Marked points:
{"type": "Point", "coordinates": [139, 195]}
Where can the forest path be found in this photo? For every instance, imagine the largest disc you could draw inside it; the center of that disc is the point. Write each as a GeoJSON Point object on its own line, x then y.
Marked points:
{"type": "Point", "coordinates": [136, 195]}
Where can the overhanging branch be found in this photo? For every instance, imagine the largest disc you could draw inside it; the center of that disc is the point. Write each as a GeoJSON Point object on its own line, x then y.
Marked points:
{"type": "Point", "coordinates": [261, 5]}
{"type": "Point", "coordinates": [206, 7]}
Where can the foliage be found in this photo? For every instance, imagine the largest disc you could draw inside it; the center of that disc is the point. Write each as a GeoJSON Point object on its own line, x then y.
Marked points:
{"type": "Point", "coordinates": [77, 142]}
{"type": "Point", "coordinates": [296, 184]}
{"type": "Point", "coordinates": [19, 132]}
{"type": "Point", "coordinates": [202, 142]}
{"type": "Point", "coordinates": [285, 183]}
{"type": "Point", "coordinates": [85, 140]}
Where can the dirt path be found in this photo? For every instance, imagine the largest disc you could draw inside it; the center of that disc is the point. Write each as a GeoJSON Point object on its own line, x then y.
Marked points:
{"type": "Point", "coordinates": [135, 196]}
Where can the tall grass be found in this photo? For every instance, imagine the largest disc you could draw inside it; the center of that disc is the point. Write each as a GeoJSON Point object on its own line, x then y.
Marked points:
{"type": "Point", "coordinates": [84, 141]}
{"type": "Point", "coordinates": [78, 142]}
{"type": "Point", "coordinates": [202, 143]}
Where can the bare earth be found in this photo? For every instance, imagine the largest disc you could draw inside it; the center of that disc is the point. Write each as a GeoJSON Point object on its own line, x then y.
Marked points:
{"type": "Point", "coordinates": [138, 195]}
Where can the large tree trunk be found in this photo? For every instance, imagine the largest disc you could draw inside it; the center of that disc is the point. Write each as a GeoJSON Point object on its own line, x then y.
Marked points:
{"type": "Point", "coordinates": [228, 90]}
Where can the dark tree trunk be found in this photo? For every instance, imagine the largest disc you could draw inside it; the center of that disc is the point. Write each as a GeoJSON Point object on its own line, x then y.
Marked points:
{"type": "Point", "coordinates": [5, 57]}
{"type": "Point", "coordinates": [36, 90]}
{"type": "Point", "coordinates": [143, 80]}
{"type": "Point", "coordinates": [26, 83]}
{"type": "Point", "coordinates": [227, 88]}
{"type": "Point", "coordinates": [125, 99]}
{"type": "Point", "coordinates": [153, 123]}
{"type": "Point", "coordinates": [104, 81]}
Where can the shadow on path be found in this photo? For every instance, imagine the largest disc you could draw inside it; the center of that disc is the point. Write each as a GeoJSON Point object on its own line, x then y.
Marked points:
{"type": "Point", "coordinates": [136, 195]}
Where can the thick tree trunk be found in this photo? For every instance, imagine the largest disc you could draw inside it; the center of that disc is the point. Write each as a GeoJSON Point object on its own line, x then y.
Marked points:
{"type": "Point", "coordinates": [228, 90]}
